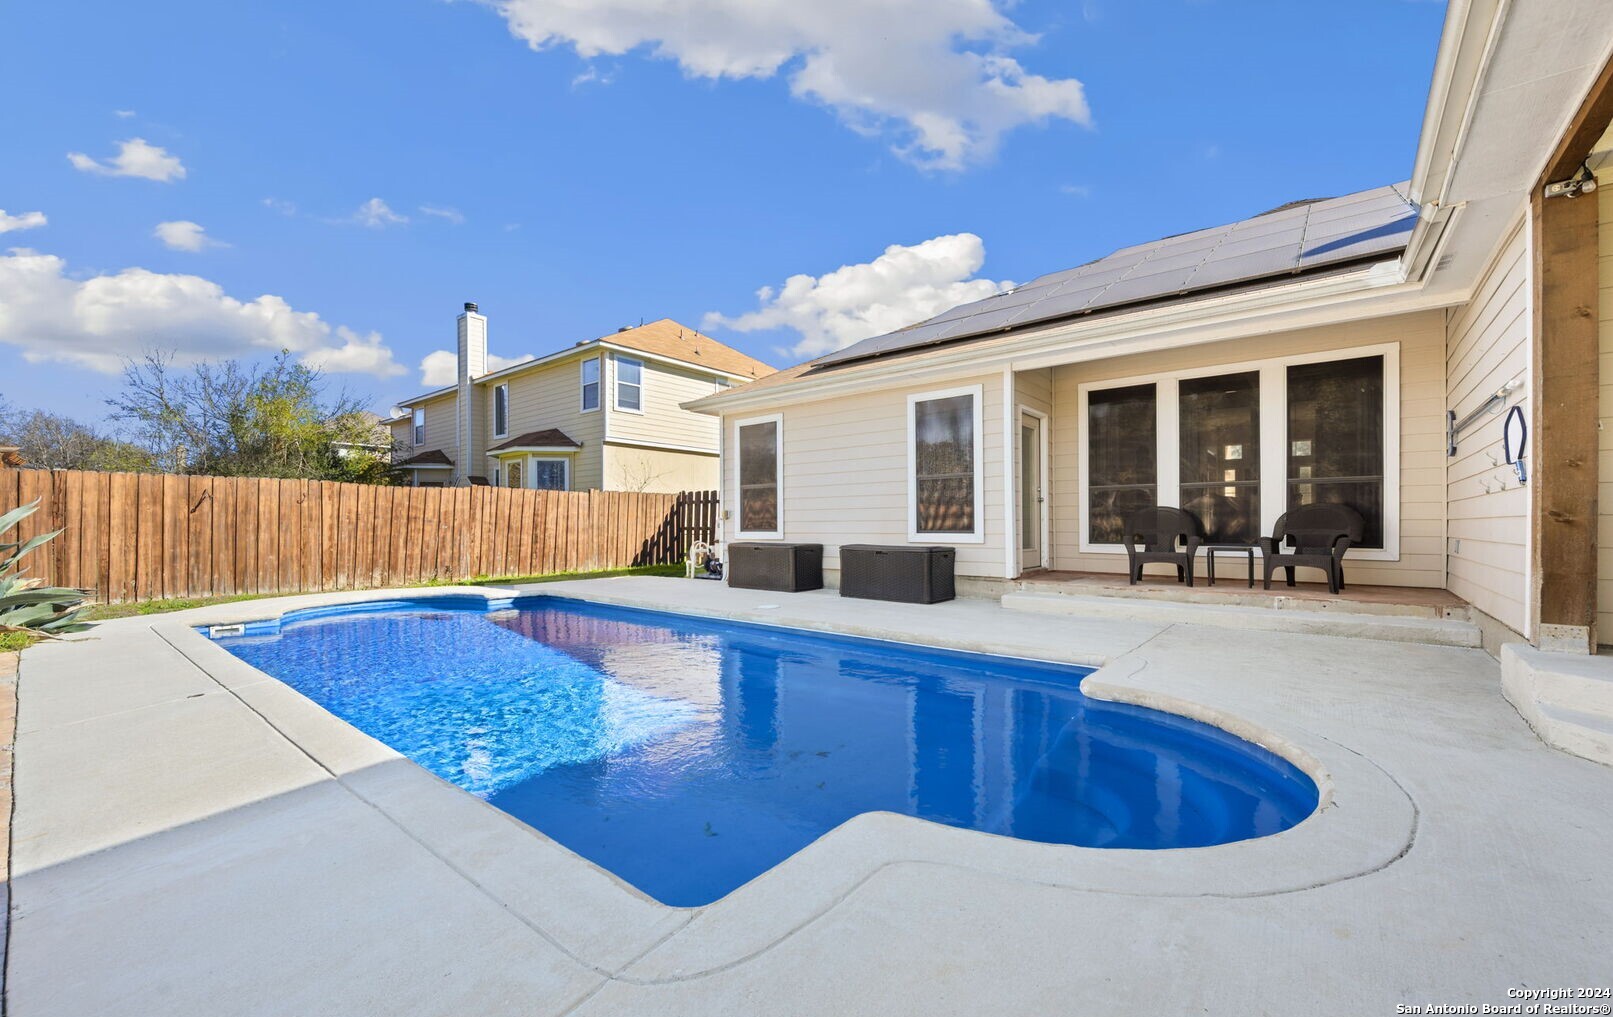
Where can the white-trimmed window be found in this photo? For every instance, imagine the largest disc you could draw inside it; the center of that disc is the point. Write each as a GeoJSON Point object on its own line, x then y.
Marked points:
{"type": "Point", "coordinates": [630, 385]}
{"type": "Point", "coordinates": [1240, 444]}
{"type": "Point", "coordinates": [501, 413]}
{"type": "Point", "coordinates": [419, 420]}
{"type": "Point", "coordinates": [944, 466]}
{"type": "Point", "coordinates": [590, 384]}
{"type": "Point", "coordinates": [551, 473]}
{"type": "Point", "coordinates": [760, 441]}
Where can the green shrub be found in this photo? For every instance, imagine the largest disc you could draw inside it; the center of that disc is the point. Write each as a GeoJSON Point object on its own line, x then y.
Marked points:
{"type": "Point", "coordinates": [25, 605]}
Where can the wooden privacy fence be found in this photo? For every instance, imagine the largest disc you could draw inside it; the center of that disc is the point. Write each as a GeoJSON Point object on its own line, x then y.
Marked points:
{"type": "Point", "coordinates": [130, 536]}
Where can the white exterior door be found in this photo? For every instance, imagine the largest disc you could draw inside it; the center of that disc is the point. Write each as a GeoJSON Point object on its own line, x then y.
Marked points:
{"type": "Point", "coordinates": [1032, 490]}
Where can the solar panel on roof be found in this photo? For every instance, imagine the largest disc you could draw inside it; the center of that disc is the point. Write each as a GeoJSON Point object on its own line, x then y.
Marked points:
{"type": "Point", "coordinates": [1286, 241]}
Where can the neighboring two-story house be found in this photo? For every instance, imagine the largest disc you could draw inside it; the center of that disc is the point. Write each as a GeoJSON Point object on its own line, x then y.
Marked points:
{"type": "Point", "coordinates": [603, 414]}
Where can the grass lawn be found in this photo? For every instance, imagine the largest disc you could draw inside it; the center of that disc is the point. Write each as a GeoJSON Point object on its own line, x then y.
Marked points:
{"type": "Point", "coordinates": [104, 612]}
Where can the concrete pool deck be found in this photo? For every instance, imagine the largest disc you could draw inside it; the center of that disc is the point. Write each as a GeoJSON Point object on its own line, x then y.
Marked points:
{"type": "Point", "coordinates": [192, 837]}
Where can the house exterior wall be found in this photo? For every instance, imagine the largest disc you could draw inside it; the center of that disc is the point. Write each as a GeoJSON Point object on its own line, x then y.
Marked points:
{"type": "Point", "coordinates": [1487, 346]}
{"type": "Point", "coordinates": [440, 431]}
{"type": "Point", "coordinates": [845, 473]}
{"type": "Point", "coordinates": [547, 397]}
{"type": "Point", "coordinates": [629, 457]}
{"type": "Point", "coordinates": [664, 420]}
{"type": "Point", "coordinates": [658, 471]}
{"type": "Point", "coordinates": [1421, 341]}
{"type": "Point", "coordinates": [474, 463]}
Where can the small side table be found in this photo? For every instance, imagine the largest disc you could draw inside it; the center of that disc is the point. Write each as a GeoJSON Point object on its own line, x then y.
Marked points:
{"type": "Point", "coordinates": [1247, 549]}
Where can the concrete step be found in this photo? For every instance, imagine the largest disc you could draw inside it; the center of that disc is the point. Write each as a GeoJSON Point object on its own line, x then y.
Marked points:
{"type": "Point", "coordinates": [1399, 629]}
{"type": "Point", "coordinates": [1566, 698]}
{"type": "Point", "coordinates": [1235, 594]}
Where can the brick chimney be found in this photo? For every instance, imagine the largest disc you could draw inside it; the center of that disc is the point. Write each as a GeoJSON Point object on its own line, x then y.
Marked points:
{"type": "Point", "coordinates": [472, 365]}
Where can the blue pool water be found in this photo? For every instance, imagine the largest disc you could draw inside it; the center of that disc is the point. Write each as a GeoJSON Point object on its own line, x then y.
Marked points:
{"type": "Point", "coordinates": [689, 756]}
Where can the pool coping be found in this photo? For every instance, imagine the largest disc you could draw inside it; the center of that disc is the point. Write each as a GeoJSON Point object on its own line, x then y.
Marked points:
{"type": "Point", "coordinates": [505, 858]}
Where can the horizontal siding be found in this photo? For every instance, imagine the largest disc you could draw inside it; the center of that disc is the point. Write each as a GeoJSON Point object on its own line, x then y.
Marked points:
{"type": "Point", "coordinates": [440, 431]}
{"type": "Point", "coordinates": [1421, 338]}
{"type": "Point", "coordinates": [630, 468]}
{"type": "Point", "coordinates": [845, 473]}
{"type": "Point", "coordinates": [1487, 510]}
{"type": "Point", "coordinates": [664, 421]}
{"type": "Point", "coordinates": [547, 397]}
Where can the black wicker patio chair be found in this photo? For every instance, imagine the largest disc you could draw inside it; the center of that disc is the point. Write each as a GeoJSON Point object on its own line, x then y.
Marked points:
{"type": "Point", "coordinates": [1166, 535]}
{"type": "Point", "coordinates": [1316, 537]}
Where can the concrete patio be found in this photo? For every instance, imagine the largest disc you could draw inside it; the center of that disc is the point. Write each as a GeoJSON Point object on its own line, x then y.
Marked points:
{"type": "Point", "coordinates": [192, 837]}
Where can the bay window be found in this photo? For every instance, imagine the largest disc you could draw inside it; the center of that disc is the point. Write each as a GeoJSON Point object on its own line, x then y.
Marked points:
{"type": "Point", "coordinates": [551, 474]}
{"type": "Point", "coordinates": [944, 464]}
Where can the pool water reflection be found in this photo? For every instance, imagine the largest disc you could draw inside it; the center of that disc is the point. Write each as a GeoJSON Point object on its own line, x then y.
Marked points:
{"type": "Point", "coordinates": [688, 756]}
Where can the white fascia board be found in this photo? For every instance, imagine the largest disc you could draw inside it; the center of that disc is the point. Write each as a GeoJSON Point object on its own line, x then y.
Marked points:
{"type": "Point", "coordinates": [417, 400]}
{"type": "Point", "coordinates": [1329, 300]}
{"type": "Point", "coordinates": [1466, 43]}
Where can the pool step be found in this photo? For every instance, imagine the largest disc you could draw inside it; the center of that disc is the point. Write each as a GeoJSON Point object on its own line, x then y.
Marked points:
{"type": "Point", "coordinates": [1567, 698]}
{"type": "Point", "coordinates": [1391, 628]}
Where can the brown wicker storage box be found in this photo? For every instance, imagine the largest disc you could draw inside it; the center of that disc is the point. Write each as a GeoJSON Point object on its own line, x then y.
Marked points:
{"type": "Point", "coordinates": [786, 568]}
{"type": "Point", "coordinates": [912, 575]}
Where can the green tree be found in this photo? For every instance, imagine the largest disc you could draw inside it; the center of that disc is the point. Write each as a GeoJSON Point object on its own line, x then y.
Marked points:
{"type": "Point", "coordinates": [234, 419]}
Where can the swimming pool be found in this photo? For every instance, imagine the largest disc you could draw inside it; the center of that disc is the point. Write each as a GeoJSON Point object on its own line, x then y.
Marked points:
{"type": "Point", "coordinates": [689, 755]}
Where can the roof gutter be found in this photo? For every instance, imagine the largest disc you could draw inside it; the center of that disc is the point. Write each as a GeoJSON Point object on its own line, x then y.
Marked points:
{"type": "Point", "coordinates": [1467, 44]}
{"type": "Point", "coordinates": [1386, 278]}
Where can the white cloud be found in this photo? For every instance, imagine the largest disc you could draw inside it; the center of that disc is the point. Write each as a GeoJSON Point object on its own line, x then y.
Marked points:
{"type": "Point", "coordinates": [932, 75]}
{"type": "Point", "coordinates": [123, 114]}
{"type": "Point", "coordinates": [377, 214]}
{"type": "Point", "coordinates": [100, 321]}
{"type": "Point", "coordinates": [902, 286]}
{"type": "Point", "coordinates": [280, 205]}
{"type": "Point", "coordinates": [453, 215]}
{"type": "Point", "coordinates": [593, 76]}
{"type": "Point", "coordinates": [135, 158]}
{"type": "Point", "coordinates": [184, 235]}
{"type": "Point", "coordinates": [25, 221]}
{"type": "Point", "coordinates": [441, 367]}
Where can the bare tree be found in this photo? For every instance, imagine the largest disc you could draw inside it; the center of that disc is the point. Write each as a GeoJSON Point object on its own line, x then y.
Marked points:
{"type": "Point", "coordinates": [639, 475]}
{"type": "Point", "coordinates": [55, 442]}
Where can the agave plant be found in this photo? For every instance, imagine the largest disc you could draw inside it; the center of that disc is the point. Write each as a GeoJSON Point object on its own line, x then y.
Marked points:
{"type": "Point", "coordinates": [26, 605]}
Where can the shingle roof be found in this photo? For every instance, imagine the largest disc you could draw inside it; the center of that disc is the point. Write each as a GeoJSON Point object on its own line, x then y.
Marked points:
{"type": "Point", "coordinates": [1290, 240]}
{"type": "Point", "coordinates": [667, 338]}
{"type": "Point", "coordinates": [435, 457]}
{"type": "Point", "coordinates": [549, 438]}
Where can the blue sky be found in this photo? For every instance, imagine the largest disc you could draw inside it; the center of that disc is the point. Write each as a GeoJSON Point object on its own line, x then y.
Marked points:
{"type": "Point", "coordinates": [646, 158]}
